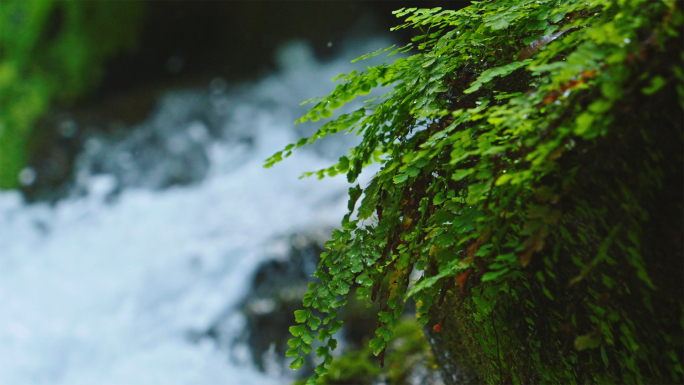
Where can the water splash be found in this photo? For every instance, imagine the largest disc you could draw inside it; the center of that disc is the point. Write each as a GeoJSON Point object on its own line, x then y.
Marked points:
{"type": "Point", "coordinates": [161, 234]}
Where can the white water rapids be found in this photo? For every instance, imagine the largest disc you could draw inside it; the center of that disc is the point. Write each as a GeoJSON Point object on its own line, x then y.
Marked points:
{"type": "Point", "coordinates": [104, 287]}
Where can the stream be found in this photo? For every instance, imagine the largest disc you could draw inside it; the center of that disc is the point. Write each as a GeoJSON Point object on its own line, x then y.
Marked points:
{"type": "Point", "coordinates": [162, 231]}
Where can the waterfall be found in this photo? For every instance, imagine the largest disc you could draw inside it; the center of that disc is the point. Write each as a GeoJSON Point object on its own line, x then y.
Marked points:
{"type": "Point", "coordinates": [162, 231]}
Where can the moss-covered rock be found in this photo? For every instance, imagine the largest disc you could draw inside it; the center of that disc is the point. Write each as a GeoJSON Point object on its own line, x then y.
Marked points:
{"type": "Point", "coordinates": [532, 172]}
{"type": "Point", "coordinates": [617, 319]}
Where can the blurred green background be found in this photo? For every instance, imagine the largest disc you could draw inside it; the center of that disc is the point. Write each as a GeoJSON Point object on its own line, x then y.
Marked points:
{"type": "Point", "coordinates": [52, 52]}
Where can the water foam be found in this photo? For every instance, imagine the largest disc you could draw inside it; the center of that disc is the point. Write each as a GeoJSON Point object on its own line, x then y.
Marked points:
{"type": "Point", "coordinates": [103, 287]}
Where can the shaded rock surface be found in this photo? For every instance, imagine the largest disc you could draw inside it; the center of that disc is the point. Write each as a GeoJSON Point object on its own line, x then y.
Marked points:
{"type": "Point", "coordinates": [278, 288]}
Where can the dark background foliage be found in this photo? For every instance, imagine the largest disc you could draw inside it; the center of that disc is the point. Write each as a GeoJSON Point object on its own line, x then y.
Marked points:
{"type": "Point", "coordinates": [185, 44]}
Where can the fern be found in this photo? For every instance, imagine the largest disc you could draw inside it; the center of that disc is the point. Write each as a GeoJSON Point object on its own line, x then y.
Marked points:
{"type": "Point", "coordinates": [480, 142]}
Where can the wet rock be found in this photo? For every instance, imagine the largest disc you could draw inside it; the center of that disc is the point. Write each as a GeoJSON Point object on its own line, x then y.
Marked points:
{"type": "Point", "coordinates": [277, 289]}
{"type": "Point", "coordinates": [268, 310]}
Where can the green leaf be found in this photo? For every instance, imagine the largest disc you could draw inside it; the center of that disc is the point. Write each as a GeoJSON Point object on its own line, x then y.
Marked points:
{"type": "Point", "coordinates": [377, 344]}
{"type": "Point", "coordinates": [277, 157]}
{"type": "Point", "coordinates": [297, 330]}
{"type": "Point", "coordinates": [588, 341]}
{"type": "Point", "coordinates": [335, 104]}
{"type": "Point", "coordinates": [302, 315]}
{"type": "Point", "coordinates": [611, 90]}
{"type": "Point", "coordinates": [292, 353]}
{"type": "Point", "coordinates": [321, 351]}
{"type": "Point", "coordinates": [476, 191]}
{"type": "Point", "coordinates": [313, 323]}
{"type": "Point", "coordinates": [657, 82]}
{"type": "Point", "coordinates": [294, 342]}
{"type": "Point", "coordinates": [600, 106]}
{"type": "Point", "coordinates": [364, 280]}
{"type": "Point", "coordinates": [445, 240]}
{"type": "Point", "coordinates": [441, 217]}
{"type": "Point", "coordinates": [492, 275]}
{"type": "Point", "coordinates": [321, 371]}
{"type": "Point", "coordinates": [460, 174]}
{"type": "Point", "coordinates": [604, 356]}
{"type": "Point", "coordinates": [323, 334]}
{"type": "Point", "coordinates": [301, 142]}
{"type": "Point", "coordinates": [306, 348]}
{"type": "Point", "coordinates": [400, 178]}
{"type": "Point", "coordinates": [308, 337]}
{"type": "Point", "coordinates": [499, 23]}
{"type": "Point", "coordinates": [342, 288]}
{"type": "Point", "coordinates": [297, 363]}
{"type": "Point", "coordinates": [384, 332]}
{"type": "Point", "coordinates": [557, 15]}
{"type": "Point", "coordinates": [412, 171]}
{"type": "Point", "coordinates": [343, 165]}
{"type": "Point", "coordinates": [385, 317]}
{"type": "Point", "coordinates": [335, 326]}
{"type": "Point", "coordinates": [438, 199]}
{"type": "Point", "coordinates": [583, 123]}
{"type": "Point", "coordinates": [503, 179]}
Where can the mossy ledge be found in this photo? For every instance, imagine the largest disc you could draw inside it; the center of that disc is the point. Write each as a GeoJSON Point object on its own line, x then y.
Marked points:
{"type": "Point", "coordinates": [532, 174]}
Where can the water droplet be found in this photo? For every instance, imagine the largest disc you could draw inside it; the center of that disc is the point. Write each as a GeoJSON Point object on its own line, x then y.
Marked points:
{"type": "Point", "coordinates": [27, 176]}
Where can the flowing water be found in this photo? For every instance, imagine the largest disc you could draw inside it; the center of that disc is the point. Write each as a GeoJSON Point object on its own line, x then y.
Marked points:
{"type": "Point", "coordinates": [161, 234]}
